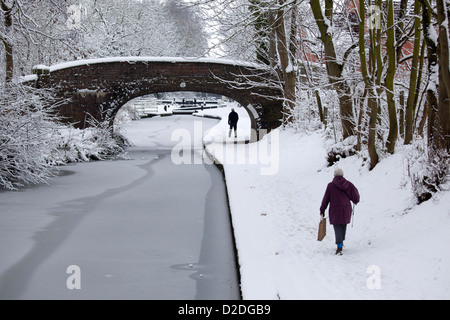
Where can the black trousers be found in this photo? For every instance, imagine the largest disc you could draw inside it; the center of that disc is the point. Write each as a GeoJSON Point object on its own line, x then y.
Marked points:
{"type": "Point", "coordinates": [233, 126]}
{"type": "Point", "coordinates": [339, 232]}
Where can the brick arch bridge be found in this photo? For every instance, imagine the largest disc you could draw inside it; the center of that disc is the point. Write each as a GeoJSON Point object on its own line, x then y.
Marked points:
{"type": "Point", "coordinates": [104, 85]}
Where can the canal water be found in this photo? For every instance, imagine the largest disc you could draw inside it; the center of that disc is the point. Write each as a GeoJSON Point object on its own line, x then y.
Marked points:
{"type": "Point", "coordinates": [141, 228]}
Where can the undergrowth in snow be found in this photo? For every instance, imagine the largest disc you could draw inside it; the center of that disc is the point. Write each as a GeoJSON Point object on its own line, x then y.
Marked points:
{"type": "Point", "coordinates": [90, 144]}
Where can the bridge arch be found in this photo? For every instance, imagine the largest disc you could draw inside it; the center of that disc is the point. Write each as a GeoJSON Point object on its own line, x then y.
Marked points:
{"type": "Point", "coordinates": [97, 86]}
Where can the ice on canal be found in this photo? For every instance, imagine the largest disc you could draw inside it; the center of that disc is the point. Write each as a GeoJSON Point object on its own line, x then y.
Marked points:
{"type": "Point", "coordinates": [143, 228]}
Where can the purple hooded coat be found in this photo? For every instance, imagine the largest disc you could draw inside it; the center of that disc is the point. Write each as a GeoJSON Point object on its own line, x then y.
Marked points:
{"type": "Point", "coordinates": [338, 194]}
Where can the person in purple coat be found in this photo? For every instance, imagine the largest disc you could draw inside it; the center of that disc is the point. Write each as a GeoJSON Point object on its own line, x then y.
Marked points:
{"type": "Point", "coordinates": [338, 194]}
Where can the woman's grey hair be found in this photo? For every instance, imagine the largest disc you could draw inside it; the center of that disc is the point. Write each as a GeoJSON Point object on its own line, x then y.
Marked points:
{"type": "Point", "coordinates": [338, 172]}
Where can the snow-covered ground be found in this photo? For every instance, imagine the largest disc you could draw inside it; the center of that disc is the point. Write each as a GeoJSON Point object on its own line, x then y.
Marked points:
{"type": "Point", "coordinates": [394, 250]}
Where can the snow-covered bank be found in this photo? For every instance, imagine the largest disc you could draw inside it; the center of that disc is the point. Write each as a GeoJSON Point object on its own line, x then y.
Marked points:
{"type": "Point", "coordinates": [395, 249]}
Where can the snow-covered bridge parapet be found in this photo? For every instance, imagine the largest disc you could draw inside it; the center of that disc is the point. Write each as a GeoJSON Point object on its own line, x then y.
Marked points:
{"type": "Point", "coordinates": [97, 87]}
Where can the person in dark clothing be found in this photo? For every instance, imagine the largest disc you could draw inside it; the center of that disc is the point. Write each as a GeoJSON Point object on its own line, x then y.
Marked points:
{"type": "Point", "coordinates": [338, 194]}
{"type": "Point", "coordinates": [233, 118]}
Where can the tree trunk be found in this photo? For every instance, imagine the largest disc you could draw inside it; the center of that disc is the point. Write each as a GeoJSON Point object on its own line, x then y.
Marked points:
{"type": "Point", "coordinates": [371, 147]}
{"type": "Point", "coordinates": [272, 41]}
{"type": "Point", "coordinates": [9, 54]}
{"type": "Point", "coordinates": [400, 28]}
{"type": "Point", "coordinates": [322, 113]}
{"type": "Point", "coordinates": [443, 10]}
{"type": "Point", "coordinates": [362, 102]}
{"type": "Point", "coordinates": [293, 41]}
{"type": "Point", "coordinates": [423, 120]}
{"type": "Point", "coordinates": [286, 65]}
{"type": "Point", "coordinates": [334, 69]}
{"type": "Point", "coordinates": [442, 140]}
{"type": "Point", "coordinates": [389, 82]}
{"type": "Point", "coordinates": [402, 114]}
{"type": "Point", "coordinates": [432, 94]}
{"type": "Point", "coordinates": [370, 87]}
{"type": "Point", "coordinates": [409, 112]}
{"type": "Point", "coordinates": [422, 58]}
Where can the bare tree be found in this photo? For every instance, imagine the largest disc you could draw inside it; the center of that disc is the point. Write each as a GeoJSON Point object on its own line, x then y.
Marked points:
{"type": "Point", "coordinates": [335, 64]}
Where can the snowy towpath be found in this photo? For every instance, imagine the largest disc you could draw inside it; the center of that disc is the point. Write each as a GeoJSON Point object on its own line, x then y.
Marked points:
{"type": "Point", "coordinates": [396, 249]}
{"type": "Point", "coordinates": [130, 229]}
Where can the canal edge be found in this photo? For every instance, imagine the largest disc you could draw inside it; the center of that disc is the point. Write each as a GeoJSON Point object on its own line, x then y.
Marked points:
{"type": "Point", "coordinates": [221, 168]}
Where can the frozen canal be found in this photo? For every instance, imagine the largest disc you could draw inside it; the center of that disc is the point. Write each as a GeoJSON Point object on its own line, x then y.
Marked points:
{"type": "Point", "coordinates": [143, 228]}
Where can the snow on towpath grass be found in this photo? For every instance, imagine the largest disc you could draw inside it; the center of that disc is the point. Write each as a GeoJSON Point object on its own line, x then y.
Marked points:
{"type": "Point", "coordinates": [395, 249]}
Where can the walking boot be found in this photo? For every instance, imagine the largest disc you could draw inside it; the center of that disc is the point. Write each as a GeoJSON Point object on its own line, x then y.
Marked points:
{"type": "Point", "coordinates": [339, 249]}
